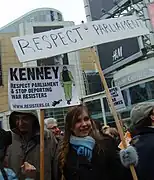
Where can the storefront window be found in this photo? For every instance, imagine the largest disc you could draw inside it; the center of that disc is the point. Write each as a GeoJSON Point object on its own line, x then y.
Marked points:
{"type": "Point", "coordinates": [139, 93]}
{"type": "Point", "coordinates": [95, 110]}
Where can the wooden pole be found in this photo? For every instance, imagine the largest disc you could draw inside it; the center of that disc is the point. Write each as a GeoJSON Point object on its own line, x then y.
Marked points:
{"type": "Point", "coordinates": [111, 105]}
{"type": "Point", "coordinates": [41, 144]}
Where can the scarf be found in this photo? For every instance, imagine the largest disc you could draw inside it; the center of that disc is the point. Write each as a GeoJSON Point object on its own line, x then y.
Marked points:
{"type": "Point", "coordinates": [83, 146]}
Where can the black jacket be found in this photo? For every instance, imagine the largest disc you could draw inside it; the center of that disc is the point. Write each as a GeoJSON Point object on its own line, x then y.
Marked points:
{"type": "Point", "coordinates": [105, 164]}
{"type": "Point", "coordinates": [144, 144]}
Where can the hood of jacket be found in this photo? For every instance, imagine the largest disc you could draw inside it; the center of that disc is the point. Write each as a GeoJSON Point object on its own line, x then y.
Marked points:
{"type": "Point", "coordinates": [12, 120]}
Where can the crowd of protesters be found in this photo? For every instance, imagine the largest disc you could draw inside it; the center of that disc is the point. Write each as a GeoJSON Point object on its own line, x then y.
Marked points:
{"type": "Point", "coordinates": [86, 150]}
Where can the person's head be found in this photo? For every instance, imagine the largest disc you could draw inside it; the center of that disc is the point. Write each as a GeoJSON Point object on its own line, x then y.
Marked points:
{"type": "Point", "coordinates": [24, 122]}
{"type": "Point", "coordinates": [65, 68]}
{"type": "Point", "coordinates": [5, 141]}
{"type": "Point", "coordinates": [52, 125]}
{"type": "Point", "coordinates": [142, 115]}
{"type": "Point", "coordinates": [78, 122]}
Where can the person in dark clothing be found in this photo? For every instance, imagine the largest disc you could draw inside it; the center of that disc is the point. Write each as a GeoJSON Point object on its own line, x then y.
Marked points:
{"type": "Point", "coordinates": [83, 154]}
{"type": "Point", "coordinates": [7, 173]}
{"type": "Point", "coordinates": [142, 131]}
{"type": "Point", "coordinates": [67, 81]}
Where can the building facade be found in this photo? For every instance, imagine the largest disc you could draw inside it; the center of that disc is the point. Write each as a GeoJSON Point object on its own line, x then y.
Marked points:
{"type": "Point", "coordinates": [38, 20]}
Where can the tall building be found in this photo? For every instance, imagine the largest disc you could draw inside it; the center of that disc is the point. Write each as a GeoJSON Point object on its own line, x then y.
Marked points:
{"type": "Point", "coordinates": [38, 20]}
{"type": "Point", "coordinates": [128, 63]}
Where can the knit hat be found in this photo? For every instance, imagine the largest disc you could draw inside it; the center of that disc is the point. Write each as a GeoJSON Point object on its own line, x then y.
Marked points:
{"type": "Point", "coordinates": [140, 112]}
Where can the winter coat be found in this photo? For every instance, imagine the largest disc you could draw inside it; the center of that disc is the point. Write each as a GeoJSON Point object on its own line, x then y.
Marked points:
{"type": "Point", "coordinates": [21, 151]}
{"type": "Point", "coordinates": [144, 144]}
{"type": "Point", "coordinates": [9, 173]}
{"type": "Point", "coordinates": [105, 164]}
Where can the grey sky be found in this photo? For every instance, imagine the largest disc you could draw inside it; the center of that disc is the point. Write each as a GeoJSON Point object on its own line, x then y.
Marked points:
{"type": "Point", "coordinates": [72, 10]}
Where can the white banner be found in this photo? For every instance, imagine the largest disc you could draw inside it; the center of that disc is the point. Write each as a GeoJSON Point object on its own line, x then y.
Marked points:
{"type": "Point", "coordinates": [68, 39]}
{"type": "Point", "coordinates": [117, 98]}
{"type": "Point", "coordinates": [42, 87]}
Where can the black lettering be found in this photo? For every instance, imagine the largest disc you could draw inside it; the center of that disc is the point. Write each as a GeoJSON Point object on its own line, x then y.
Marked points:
{"type": "Point", "coordinates": [67, 33]}
{"type": "Point", "coordinates": [106, 28]}
{"type": "Point", "coordinates": [54, 38]}
{"type": "Point", "coordinates": [44, 37]}
{"type": "Point", "coordinates": [113, 99]}
{"type": "Point", "coordinates": [39, 73]}
{"type": "Point", "coordinates": [37, 43]}
{"type": "Point", "coordinates": [13, 74]}
{"type": "Point", "coordinates": [115, 26]}
{"type": "Point", "coordinates": [129, 24]}
{"type": "Point", "coordinates": [114, 95]}
{"type": "Point", "coordinates": [138, 23]}
{"type": "Point", "coordinates": [101, 29]}
{"type": "Point", "coordinates": [45, 94]}
{"type": "Point", "coordinates": [22, 74]}
{"type": "Point", "coordinates": [126, 24]}
{"type": "Point", "coordinates": [55, 83]}
{"type": "Point", "coordinates": [30, 73]}
{"type": "Point", "coordinates": [16, 96]}
{"type": "Point", "coordinates": [135, 23]}
{"type": "Point", "coordinates": [120, 102]}
{"type": "Point", "coordinates": [122, 27]}
{"type": "Point", "coordinates": [76, 29]}
{"type": "Point", "coordinates": [113, 30]}
{"type": "Point", "coordinates": [25, 96]}
{"type": "Point", "coordinates": [61, 38]}
{"type": "Point", "coordinates": [96, 28]}
{"type": "Point", "coordinates": [55, 70]}
{"type": "Point", "coordinates": [12, 85]}
{"type": "Point", "coordinates": [24, 44]}
{"type": "Point", "coordinates": [47, 71]}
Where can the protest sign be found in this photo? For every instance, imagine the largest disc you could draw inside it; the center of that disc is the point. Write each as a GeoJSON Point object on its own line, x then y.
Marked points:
{"type": "Point", "coordinates": [128, 139]}
{"type": "Point", "coordinates": [68, 39]}
{"type": "Point", "coordinates": [117, 98]}
{"type": "Point", "coordinates": [42, 87]}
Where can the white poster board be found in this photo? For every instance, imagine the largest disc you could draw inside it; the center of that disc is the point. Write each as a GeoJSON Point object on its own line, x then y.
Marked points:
{"type": "Point", "coordinates": [117, 98]}
{"type": "Point", "coordinates": [73, 38]}
{"type": "Point", "coordinates": [42, 87]}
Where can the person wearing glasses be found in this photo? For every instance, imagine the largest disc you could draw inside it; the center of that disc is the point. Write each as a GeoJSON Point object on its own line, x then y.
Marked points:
{"type": "Point", "coordinates": [52, 125]}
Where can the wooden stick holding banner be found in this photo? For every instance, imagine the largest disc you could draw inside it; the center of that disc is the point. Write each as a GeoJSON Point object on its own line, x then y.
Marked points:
{"type": "Point", "coordinates": [41, 144]}
{"type": "Point", "coordinates": [113, 110]}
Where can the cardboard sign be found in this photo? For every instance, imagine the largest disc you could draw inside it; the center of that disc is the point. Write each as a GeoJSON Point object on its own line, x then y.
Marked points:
{"type": "Point", "coordinates": [117, 98]}
{"type": "Point", "coordinates": [128, 139]}
{"type": "Point", "coordinates": [42, 87]}
{"type": "Point", "coordinates": [68, 39]}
